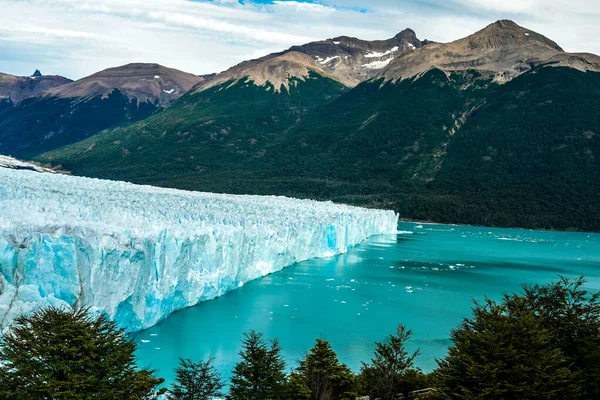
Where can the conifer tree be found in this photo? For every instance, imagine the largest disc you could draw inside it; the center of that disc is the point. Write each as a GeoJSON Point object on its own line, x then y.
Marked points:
{"type": "Point", "coordinates": [323, 376]}
{"type": "Point", "coordinates": [505, 353]}
{"type": "Point", "coordinates": [196, 381]}
{"type": "Point", "coordinates": [260, 375]}
{"type": "Point", "coordinates": [391, 368]}
{"type": "Point", "coordinates": [60, 354]}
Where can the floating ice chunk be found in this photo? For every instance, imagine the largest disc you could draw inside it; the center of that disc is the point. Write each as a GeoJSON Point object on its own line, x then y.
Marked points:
{"type": "Point", "coordinates": [145, 341]}
{"type": "Point", "coordinates": [138, 253]}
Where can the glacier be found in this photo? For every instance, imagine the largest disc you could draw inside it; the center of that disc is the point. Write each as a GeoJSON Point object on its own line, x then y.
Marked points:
{"type": "Point", "coordinates": [139, 253]}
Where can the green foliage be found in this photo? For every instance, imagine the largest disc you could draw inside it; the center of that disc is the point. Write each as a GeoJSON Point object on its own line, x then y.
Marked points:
{"type": "Point", "coordinates": [572, 315]}
{"type": "Point", "coordinates": [505, 352]}
{"type": "Point", "coordinates": [456, 148]}
{"type": "Point", "coordinates": [42, 124]}
{"type": "Point", "coordinates": [196, 381]}
{"type": "Point", "coordinates": [322, 376]}
{"type": "Point", "coordinates": [391, 370]}
{"type": "Point", "coordinates": [261, 373]}
{"type": "Point", "coordinates": [59, 354]}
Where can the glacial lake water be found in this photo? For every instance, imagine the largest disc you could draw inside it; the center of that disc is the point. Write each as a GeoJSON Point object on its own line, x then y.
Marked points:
{"type": "Point", "coordinates": [425, 277]}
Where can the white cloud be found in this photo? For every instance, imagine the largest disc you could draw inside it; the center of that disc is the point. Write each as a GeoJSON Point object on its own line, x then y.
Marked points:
{"type": "Point", "coordinates": [79, 37]}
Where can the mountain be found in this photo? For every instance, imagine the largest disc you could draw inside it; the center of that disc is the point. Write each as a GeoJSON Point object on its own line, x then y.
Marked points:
{"type": "Point", "coordinates": [499, 128]}
{"type": "Point", "coordinates": [13, 89]}
{"type": "Point", "coordinates": [74, 111]}
{"type": "Point", "coordinates": [502, 50]}
{"type": "Point", "coordinates": [352, 60]}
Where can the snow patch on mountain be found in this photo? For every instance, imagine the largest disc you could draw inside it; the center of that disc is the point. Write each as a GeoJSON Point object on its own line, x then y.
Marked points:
{"type": "Point", "coordinates": [379, 55]}
{"type": "Point", "coordinates": [378, 64]}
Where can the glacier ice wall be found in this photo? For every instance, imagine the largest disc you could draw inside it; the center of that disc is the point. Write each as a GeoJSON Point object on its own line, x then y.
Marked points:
{"type": "Point", "coordinates": [139, 253]}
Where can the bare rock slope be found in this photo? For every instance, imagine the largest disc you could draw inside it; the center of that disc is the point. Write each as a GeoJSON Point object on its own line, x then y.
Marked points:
{"type": "Point", "coordinates": [502, 49]}
{"type": "Point", "coordinates": [344, 59]}
{"type": "Point", "coordinates": [152, 83]}
{"type": "Point", "coordinates": [17, 88]}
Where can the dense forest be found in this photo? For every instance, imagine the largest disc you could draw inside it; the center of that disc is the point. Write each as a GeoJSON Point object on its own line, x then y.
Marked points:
{"type": "Point", "coordinates": [443, 147]}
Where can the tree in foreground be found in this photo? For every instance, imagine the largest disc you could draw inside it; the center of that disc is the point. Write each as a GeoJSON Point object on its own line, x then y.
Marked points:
{"type": "Point", "coordinates": [391, 371]}
{"type": "Point", "coordinates": [69, 354]}
{"type": "Point", "coordinates": [196, 381]}
{"type": "Point", "coordinates": [505, 352]}
{"type": "Point", "coordinates": [572, 316]}
{"type": "Point", "coordinates": [321, 376]}
{"type": "Point", "coordinates": [261, 373]}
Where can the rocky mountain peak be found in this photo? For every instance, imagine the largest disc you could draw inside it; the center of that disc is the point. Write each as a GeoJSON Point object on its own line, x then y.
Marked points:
{"type": "Point", "coordinates": [37, 74]}
{"type": "Point", "coordinates": [406, 34]}
{"type": "Point", "coordinates": [147, 82]}
{"type": "Point", "coordinates": [501, 50]}
{"type": "Point", "coordinates": [276, 69]}
{"type": "Point", "coordinates": [507, 33]}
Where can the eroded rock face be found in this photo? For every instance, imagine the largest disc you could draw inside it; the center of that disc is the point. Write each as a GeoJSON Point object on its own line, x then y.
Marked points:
{"type": "Point", "coordinates": [344, 59]}
{"type": "Point", "coordinates": [502, 49]}
{"type": "Point", "coordinates": [17, 88]}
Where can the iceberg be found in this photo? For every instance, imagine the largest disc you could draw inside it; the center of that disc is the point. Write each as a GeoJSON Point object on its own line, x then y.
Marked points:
{"type": "Point", "coordinates": [139, 253]}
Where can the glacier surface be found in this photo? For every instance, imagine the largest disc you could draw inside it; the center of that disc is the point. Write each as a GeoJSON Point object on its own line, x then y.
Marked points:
{"type": "Point", "coordinates": [139, 253]}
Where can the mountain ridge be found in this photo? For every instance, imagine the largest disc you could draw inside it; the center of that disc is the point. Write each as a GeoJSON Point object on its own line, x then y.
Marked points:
{"type": "Point", "coordinates": [498, 128]}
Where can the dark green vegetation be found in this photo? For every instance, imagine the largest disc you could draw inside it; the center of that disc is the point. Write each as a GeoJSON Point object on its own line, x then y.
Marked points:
{"type": "Point", "coordinates": [57, 354]}
{"type": "Point", "coordinates": [539, 345]}
{"type": "Point", "coordinates": [196, 381]}
{"type": "Point", "coordinates": [455, 148]}
{"type": "Point", "coordinates": [261, 372]}
{"type": "Point", "coordinates": [41, 124]}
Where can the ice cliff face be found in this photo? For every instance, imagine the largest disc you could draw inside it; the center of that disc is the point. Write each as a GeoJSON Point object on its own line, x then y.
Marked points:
{"type": "Point", "coordinates": [139, 253]}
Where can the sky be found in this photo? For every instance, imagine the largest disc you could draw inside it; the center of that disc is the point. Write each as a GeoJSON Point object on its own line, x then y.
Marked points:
{"type": "Point", "coordinates": [76, 38]}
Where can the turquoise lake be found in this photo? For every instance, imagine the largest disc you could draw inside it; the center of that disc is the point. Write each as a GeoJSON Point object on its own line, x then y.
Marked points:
{"type": "Point", "coordinates": [425, 277]}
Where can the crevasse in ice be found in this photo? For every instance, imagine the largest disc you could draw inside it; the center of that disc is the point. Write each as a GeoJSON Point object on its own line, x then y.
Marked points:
{"type": "Point", "coordinates": [139, 253]}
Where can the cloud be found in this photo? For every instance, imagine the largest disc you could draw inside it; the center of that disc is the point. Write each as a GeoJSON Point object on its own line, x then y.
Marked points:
{"type": "Point", "coordinates": [79, 37]}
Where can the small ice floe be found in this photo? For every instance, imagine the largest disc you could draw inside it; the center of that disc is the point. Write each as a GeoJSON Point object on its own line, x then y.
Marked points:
{"type": "Point", "coordinates": [410, 291]}
{"type": "Point", "coordinates": [286, 305]}
{"type": "Point", "coordinates": [452, 267]}
{"type": "Point", "coordinates": [392, 267]}
{"type": "Point", "coordinates": [408, 288]}
{"type": "Point", "coordinates": [154, 334]}
{"type": "Point", "coordinates": [145, 341]}
{"type": "Point", "coordinates": [157, 348]}
{"type": "Point", "coordinates": [330, 279]}
{"type": "Point", "coordinates": [419, 227]}
{"type": "Point", "coordinates": [352, 280]}
{"type": "Point", "coordinates": [343, 302]}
